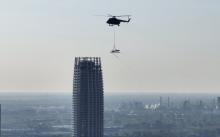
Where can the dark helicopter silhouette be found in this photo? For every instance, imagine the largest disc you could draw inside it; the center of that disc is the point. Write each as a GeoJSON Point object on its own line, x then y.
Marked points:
{"type": "Point", "coordinates": [113, 20]}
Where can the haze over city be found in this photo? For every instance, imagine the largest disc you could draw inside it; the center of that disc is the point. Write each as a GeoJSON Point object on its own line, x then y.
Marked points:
{"type": "Point", "coordinates": [169, 46]}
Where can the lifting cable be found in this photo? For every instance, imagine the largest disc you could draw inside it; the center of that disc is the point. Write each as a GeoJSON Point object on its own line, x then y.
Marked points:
{"type": "Point", "coordinates": [114, 41]}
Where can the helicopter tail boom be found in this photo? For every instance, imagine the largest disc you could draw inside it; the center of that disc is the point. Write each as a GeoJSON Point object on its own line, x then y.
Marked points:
{"type": "Point", "coordinates": [126, 20]}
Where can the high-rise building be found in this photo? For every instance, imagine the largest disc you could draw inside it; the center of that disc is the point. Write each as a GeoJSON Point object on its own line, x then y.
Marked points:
{"type": "Point", "coordinates": [88, 98]}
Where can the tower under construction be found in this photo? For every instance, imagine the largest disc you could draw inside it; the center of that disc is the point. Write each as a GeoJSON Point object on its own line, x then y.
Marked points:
{"type": "Point", "coordinates": [88, 97]}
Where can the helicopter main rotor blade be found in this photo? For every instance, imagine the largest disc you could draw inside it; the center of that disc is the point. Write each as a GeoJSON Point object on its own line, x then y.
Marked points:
{"type": "Point", "coordinates": [101, 15]}
{"type": "Point", "coordinates": [123, 16]}
{"type": "Point", "coordinates": [109, 15]}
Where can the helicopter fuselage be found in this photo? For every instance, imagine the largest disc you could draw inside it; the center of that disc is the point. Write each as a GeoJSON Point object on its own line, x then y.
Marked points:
{"type": "Point", "coordinates": [114, 21]}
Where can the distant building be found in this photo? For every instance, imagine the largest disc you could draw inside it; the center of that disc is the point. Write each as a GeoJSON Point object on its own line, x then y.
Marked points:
{"type": "Point", "coordinates": [161, 101]}
{"type": "Point", "coordinates": [162, 106]}
{"type": "Point", "coordinates": [187, 105]}
{"type": "Point", "coordinates": [88, 98]}
{"type": "Point", "coordinates": [218, 102]}
{"type": "Point", "coordinates": [168, 102]}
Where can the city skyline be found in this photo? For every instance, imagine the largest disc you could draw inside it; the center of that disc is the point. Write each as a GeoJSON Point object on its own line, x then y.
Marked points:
{"type": "Point", "coordinates": [169, 46]}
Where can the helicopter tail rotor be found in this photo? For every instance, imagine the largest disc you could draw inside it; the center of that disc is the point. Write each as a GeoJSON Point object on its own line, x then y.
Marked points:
{"type": "Point", "coordinates": [129, 19]}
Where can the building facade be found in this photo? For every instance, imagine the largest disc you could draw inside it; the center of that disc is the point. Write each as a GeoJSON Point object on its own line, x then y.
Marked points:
{"type": "Point", "coordinates": [88, 97]}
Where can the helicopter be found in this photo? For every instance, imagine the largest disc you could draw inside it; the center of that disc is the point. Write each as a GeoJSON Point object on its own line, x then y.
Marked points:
{"type": "Point", "coordinates": [113, 20]}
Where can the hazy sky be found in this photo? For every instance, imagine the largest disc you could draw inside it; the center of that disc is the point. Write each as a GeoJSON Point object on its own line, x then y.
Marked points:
{"type": "Point", "coordinates": [170, 45]}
